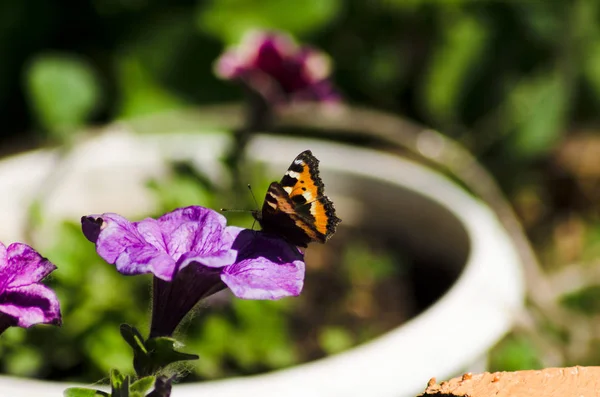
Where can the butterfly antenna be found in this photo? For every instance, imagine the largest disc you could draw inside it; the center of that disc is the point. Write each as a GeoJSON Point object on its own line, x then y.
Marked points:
{"type": "Point", "coordinates": [253, 196]}
{"type": "Point", "coordinates": [236, 210]}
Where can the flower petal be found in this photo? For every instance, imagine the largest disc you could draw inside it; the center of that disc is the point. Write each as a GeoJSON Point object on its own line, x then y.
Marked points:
{"type": "Point", "coordinates": [134, 247]}
{"type": "Point", "coordinates": [232, 232]}
{"type": "Point", "coordinates": [252, 244]}
{"type": "Point", "coordinates": [31, 304]}
{"type": "Point", "coordinates": [3, 264]}
{"type": "Point", "coordinates": [112, 234]}
{"type": "Point", "coordinates": [152, 233]}
{"type": "Point", "coordinates": [215, 260]}
{"type": "Point", "coordinates": [274, 66]}
{"type": "Point", "coordinates": [91, 226]}
{"type": "Point", "coordinates": [261, 278]}
{"type": "Point", "coordinates": [23, 267]}
{"type": "Point", "coordinates": [193, 229]}
{"type": "Point", "coordinates": [267, 267]}
{"type": "Point", "coordinates": [171, 301]}
{"type": "Point", "coordinates": [146, 259]}
{"type": "Point", "coordinates": [224, 257]}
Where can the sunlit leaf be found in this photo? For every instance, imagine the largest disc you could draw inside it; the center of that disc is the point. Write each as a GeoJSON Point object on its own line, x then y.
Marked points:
{"type": "Point", "coordinates": [119, 384]}
{"type": "Point", "coordinates": [83, 392]}
{"type": "Point", "coordinates": [228, 20]}
{"type": "Point", "coordinates": [453, 63]}
{"type": "Point", "coordinates": [63, 91]}
{"type": "Point", "coordinates": [514, 353]}
{"type": "Point", "coordinates": [140, 387]}
{"type": "Point", "coordinates": [537, 113]}
{"type": "Point", "coordinates": [335, 339]}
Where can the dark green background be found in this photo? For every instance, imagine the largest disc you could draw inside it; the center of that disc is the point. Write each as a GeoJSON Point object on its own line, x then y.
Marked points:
{"type": "Point", "coordinates": [514, 74]}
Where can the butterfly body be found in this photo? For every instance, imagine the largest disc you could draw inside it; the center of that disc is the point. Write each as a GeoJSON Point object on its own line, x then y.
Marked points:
{"type": "Point", "coordinates": [296, 208]}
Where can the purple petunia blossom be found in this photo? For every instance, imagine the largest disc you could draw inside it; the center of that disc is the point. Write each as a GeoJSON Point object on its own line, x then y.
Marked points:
{"type": "Point", "coordinates": [273, 65]}
{"type": "Point", "coordinates": [193, 254]}
{"type": "Point", "coordinates": [23, 300]}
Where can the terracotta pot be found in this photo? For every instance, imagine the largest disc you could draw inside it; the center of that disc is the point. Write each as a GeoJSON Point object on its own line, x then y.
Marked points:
{"type": "Point", "coordinates": [382, 193]}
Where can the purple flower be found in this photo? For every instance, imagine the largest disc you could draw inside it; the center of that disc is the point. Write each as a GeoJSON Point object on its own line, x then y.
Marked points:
{"type": "Point", "coordinates": [193, 254]}
{"type": "Point", "coordinates": [273, 65]}
{"type": "Point", "coordinates": [23, 300]}
{"type": "Point", "coordinates": [267, 267]}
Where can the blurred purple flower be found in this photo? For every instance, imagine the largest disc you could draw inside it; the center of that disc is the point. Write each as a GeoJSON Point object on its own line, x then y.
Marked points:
{"type": "Point", "coordinates": [273, 65]}
{"type": "Point", "coordinates": [192, 255]}
{"type": "Point", "coordinates": [23, 300]}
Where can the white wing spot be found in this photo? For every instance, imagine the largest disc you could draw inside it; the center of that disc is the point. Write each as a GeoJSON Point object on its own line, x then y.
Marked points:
{"type": "Point", "coordinates": [272, 205]}
{"type": "Point", "coordinates": [288, 189]}
{"type": "Point", "coordinates": [298, 162]}
{"type": "Point", "coordinates": [308, 196]}
{"type": "Point", "coordinates": [293, 174]}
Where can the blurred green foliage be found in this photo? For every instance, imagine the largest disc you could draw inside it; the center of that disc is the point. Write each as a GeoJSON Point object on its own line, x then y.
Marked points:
{"type": "Point", "coordinates": [585, 301]}
{"type": "Point", "coordinates": [454, 62]}
{"type": "Point", "coordinates": [507, 77]}
{"type": "Point", "coordinates": [63, 91]}
{"type": "Point", "coordinates": [228, 20]}
{"type": "Point", "coordinates": [516, 352]}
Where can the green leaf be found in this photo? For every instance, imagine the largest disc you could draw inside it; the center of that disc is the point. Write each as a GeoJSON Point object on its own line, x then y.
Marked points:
{"type": "Point", "coordinates": [63, 91]}
{"type": "Point", "coordinates": [228, 20]}
{"type": "Point", "coordinates": [82, 392]}
{"type": "Point", "coordinates": [514, 353]}
{"type": "Point", "coordinates": [335, 340]}
{"type": "Point", "coordinates": [153, 354]}
{"type": "Point", "coordinates": [141, 386]}
{"type": "Point", "coordinates": [141, 92]}
{"type": "Point", "coordinates": [119, 384]}
{"type": "Point", "coordinates": [161, 352]}
{"type": "Point", "coordinates": [591, 66]}
{"type": "Point", "coordinates": [585, 300]}
{"type": "Point", "coordinates": [537, 113]}
{"type": "Point", "coordinates": [454, 61]}
{"type": "Point", "coordinates": [134, 338]}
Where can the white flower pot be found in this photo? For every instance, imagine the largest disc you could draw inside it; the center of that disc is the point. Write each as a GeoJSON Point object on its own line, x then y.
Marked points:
{"type": "Point", "coordinates": [383, 192]}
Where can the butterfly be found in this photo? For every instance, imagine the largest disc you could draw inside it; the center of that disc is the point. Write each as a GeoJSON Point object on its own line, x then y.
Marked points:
{"type": "Point", "coordinates": [296, 208]}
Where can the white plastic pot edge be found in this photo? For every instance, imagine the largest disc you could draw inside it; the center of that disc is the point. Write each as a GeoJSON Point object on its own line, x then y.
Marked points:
{"type": "Point", "coordinates": [443, 340]}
